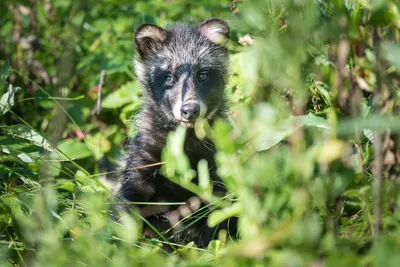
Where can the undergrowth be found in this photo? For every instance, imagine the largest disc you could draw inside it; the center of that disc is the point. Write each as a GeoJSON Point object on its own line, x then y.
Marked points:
{"type": "Point", "coordinates": [311, 165]}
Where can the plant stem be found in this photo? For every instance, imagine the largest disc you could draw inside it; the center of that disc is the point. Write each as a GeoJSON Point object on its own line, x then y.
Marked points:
{"type": "Point", "coordinates": [378, 164]}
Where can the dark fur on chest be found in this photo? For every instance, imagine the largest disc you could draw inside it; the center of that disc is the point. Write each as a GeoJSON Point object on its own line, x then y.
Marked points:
{"type": "Point", "coordinates": [146, 184]}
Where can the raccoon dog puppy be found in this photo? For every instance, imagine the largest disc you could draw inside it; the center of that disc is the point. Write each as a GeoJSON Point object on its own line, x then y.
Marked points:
{"type": "Point", "coordinates": [182, 72]}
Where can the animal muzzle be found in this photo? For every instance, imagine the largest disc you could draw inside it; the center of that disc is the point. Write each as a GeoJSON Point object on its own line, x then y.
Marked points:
{"type": "Point", "coordinates": [190, 112]}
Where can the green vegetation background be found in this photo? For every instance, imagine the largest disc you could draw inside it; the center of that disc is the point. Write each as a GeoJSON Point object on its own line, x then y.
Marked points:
{"type": "Point", "coordinates": [312, 164]}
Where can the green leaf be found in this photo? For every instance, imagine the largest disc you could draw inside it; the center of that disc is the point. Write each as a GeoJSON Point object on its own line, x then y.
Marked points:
{"type": "Point", "coordinates": [74, 149]}
{"type": "Point", "coordinates": [7, 100]}
{"type": "Point", "coordinates": [70, 187]}
{"type": "Point", "coordinates": [204, 175]}
{"type": "Point", "coordinates": [178, 163]}
{"type": "Point", "coordinates": [321, 88]}
{"type": "Point", "coordinates": [214, 246]}
{"type": "Point", "coordinates": [27, 133]}
{"type": "Point", "coordinates": [129, 230]}
{"type": "Point", "coordinates": [87, 184]}
{"type": "Point", "coordinates": [219, 216]}
{"type": "Point", "coordinates": [99, 144]}
{"type": "Point", "coordinates": [25, 158]}
{"type": "Point", "coordinates": [13, 204]}
{"type": "Point", "coordinates": [128, 93]}
{"type": "Point", "coordinates": [310, 120]}
{"type": "Point", "coordinates": [276, 133]}
{"type": "Point", "coordinates": [4, 73]}
{"type": "Point", "coordinates": [204, 178]}
{"type": "Point", "coordinates": [127, 111]}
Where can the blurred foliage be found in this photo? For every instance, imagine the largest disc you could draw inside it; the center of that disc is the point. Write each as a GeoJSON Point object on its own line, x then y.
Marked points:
{"type": "Point", "coordinates": [315, 98]}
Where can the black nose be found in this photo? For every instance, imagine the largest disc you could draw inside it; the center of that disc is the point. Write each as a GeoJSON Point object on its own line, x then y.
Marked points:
{"type": "Point", "coordinates": [190, 111]}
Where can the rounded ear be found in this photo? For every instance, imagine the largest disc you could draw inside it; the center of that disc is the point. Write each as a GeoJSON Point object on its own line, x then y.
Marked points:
{"type": "Point", "coordinates": [214, 29]}
{"type": "Point", "coordinates": [148, 37]}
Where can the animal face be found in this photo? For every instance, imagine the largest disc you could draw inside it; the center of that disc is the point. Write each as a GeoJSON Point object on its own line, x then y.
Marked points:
{"type": "Point", "coordinates": [183, 68]}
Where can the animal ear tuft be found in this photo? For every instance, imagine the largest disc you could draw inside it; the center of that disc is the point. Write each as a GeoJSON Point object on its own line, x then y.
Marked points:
{"type": "Point", "coordinates": [148, 37]}
{"type": "Point", "coordinates": [214, 30]}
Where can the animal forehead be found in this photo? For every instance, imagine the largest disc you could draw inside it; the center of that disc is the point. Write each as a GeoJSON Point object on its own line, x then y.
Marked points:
{"type": "Point", "coordinates": [182, 52]}
{"type": "Point", "coordinates": [184, 60]}
{"type": "Point", "coordinates": [182, 33]}
{"type": "Point", "coordinates": [188, 43]}
{"type": "Point", "coordinates": [187, 50]}
{"type": "Point", "coordinates": [187, 68]}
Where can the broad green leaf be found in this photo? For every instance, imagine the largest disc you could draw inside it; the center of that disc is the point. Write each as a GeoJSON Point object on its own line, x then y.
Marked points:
{"type": "Point", "coordinates": [310, 120]}
{"type": "Point", "coordinates": [128, 93]}
{"type": "Point", "coordinates": [74, 149]}
{"type": "Point", "coordinates": [276, 133]}
{"type": "Point", "coordinates": [14, 205]}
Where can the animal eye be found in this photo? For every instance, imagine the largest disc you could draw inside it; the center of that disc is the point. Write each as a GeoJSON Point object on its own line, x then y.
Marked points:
{"type": "Point", "coordinates": [203, 76]}
{"type": "Point", "coordinates": [169, 79]}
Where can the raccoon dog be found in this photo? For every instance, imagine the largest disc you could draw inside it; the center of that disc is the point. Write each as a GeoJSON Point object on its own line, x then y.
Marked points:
{"type": "Point", "coordinates": [182, 71]}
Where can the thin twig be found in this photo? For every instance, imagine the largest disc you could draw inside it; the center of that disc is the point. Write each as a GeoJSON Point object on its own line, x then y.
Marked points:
{"type": "Point", "coordinates": [97, 109]}
{"type": "Point", "coordinates": [377, 145]}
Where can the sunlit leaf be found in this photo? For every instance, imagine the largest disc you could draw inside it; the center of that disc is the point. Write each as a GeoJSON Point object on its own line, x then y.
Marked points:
{"type": "Point", "coordinates": [126, 94]}
{"type": "Point", "coordinates": [276, 133]}
{"type": "Point", "coordinates": [74, 149]}
{"type": "Point", "coordinates": [219, 216]}
{"type": "Point", "coordinates": [27, 133]}
{"type": "Point", "coordinates": [7, 99]}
